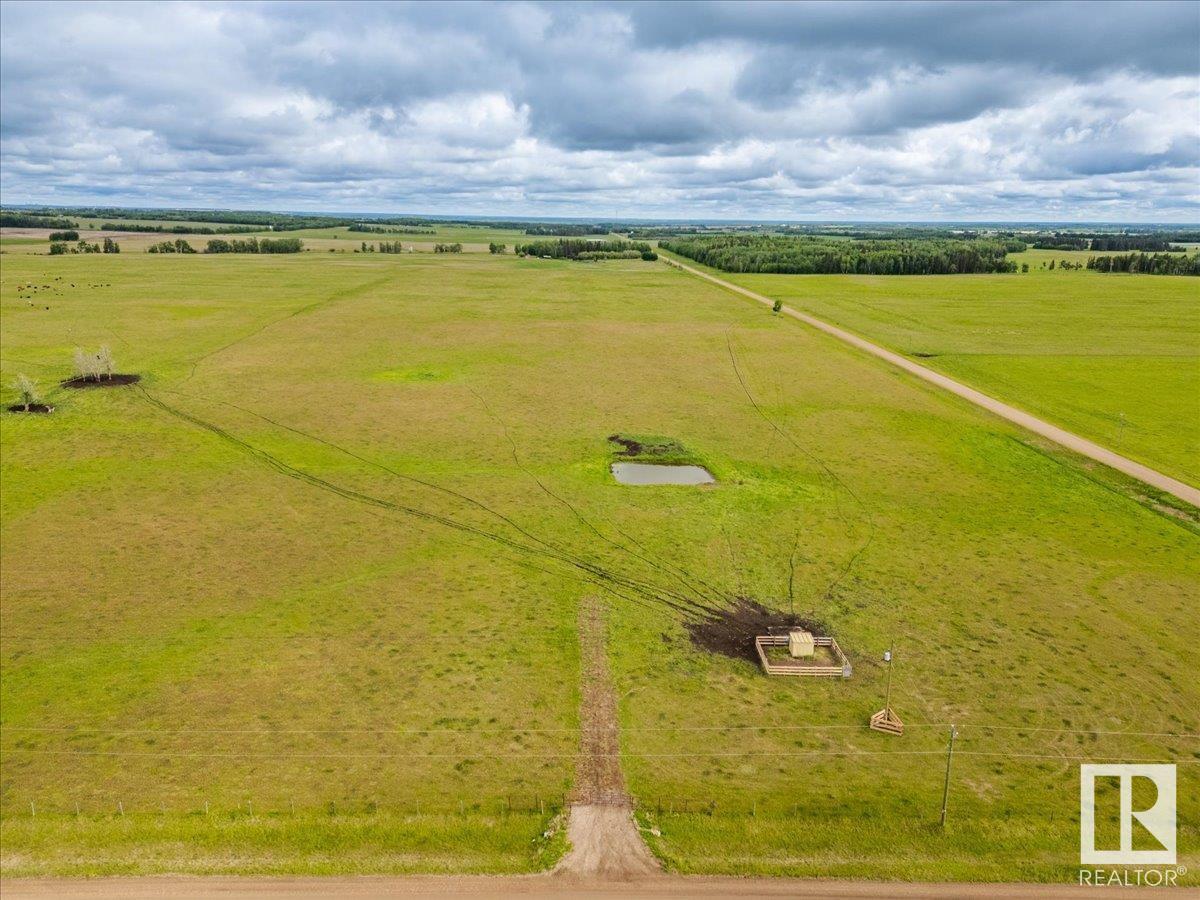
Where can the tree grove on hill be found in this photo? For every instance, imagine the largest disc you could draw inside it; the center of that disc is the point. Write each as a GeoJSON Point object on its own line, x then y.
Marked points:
{"type": "Point", "coordinates": [816, 256]}
{"type": "Point", "coordinates": [1148, 264]}
{"type": "Point", "coordinates": [28, 220]}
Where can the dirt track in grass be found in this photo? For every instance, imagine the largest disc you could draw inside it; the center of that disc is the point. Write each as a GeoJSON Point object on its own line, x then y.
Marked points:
{"type": "Point", "coordinates": [604, 838]}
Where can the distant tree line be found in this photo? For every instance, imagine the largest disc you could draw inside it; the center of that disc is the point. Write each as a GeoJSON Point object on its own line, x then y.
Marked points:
{"type": "Point", "coordinates": [1148, 264]}
{"type": "Point", "coordinates": [576, 248]}
{"type": "Point", "coordinates": [32, 220]}
{"type": "Point", "coordinates": [387, 229]}
{"type": "Point", "coordinates": [178, 229]}
{"type": "Point", "coordinates": [566, 230]}
{"type": "Point", "coordinates": [812, 255]}
{"type": "Point", "coordinates": [255, 245]}
{"type": "Point", "coordinates": [1154, 242]}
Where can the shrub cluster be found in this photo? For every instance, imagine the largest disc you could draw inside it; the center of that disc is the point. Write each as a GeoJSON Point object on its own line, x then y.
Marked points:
{"type": "Point", "coordinates": [447, 248]}
{"type": "Point", "coordinates": [64, 235]}
{"type": "Point", "coordinates": [814, 255]}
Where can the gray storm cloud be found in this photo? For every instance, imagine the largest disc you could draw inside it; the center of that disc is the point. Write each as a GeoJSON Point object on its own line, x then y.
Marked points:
{"type": "Point", "coordinates": [880, 111]}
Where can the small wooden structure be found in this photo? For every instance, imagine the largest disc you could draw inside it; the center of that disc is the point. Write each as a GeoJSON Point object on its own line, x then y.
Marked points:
{"type": "Point", "coordinates": [801, 666]}
{"type": "Point", "coordinates": [801, 643]}
{"type": "Point", "coordinates": [887, 721]}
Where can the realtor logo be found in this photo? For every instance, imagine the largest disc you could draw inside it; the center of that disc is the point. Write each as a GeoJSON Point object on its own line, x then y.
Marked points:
{"type": "Point", "coordinates": [1158, 820]}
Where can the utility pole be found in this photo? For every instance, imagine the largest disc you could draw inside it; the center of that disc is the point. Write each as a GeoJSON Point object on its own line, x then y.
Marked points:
{"type": "Point", "coordinates": [946, 787]}
{"type": "Point", "coordinates": [887, 657]}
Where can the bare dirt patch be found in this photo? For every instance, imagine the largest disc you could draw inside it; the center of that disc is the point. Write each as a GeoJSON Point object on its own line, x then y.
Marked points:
{"type": "Point", "coordinates": [604, 838]}
{"type": "Point", "coordinates": [731, 632]}
{"type": "Point", "coordinates": [80, 381]}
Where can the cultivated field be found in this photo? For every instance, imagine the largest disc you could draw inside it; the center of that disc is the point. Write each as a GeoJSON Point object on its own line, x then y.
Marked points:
{"type": "Point", "coordinates": [306, 599]}
{"type": "Point", "coordinates": [1114, 358]}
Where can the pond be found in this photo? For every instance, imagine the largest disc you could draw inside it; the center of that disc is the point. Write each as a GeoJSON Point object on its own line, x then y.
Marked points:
{"type": "Point", "coordinates": [650, 473]}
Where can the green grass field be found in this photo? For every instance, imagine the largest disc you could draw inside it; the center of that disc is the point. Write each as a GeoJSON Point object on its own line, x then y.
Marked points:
{"type": "Point", "coordinates": [306, 599]}
{"type": "Point", "coordinates": [1115, 358]}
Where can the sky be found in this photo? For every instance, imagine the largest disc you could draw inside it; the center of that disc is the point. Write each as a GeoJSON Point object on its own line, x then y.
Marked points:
{"type": "Point", "coordinates": [775, 111]}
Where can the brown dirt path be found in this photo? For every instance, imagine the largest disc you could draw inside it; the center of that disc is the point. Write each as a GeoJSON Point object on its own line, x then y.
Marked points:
{"type": "Point", "coordinates": [1060, 436]}
{"type": "Point", "coordinates": [604, 838]}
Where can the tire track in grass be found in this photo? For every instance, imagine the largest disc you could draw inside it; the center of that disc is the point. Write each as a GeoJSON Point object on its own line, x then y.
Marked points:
{"type": "Point", "coordinates": [870, 519]}
{"type": "Point", "coordinates": [644, 555]}
{"type": "Point", "coordinates": [607, 579]}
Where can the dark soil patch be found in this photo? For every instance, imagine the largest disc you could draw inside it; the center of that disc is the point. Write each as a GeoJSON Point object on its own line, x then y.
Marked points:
{"type": "Point", "coordinates": [110, 381]}
{"type": "Point", "coordinates": [731, 632]}
{"type": "Point", "coordinates": [652, 448]}
{"type": "Point", "coordinates": [32, 408]}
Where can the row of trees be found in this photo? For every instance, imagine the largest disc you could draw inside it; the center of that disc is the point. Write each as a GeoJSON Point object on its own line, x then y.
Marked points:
{"type": "Point", "coordinates": [392, 229]}
{"type": "Point", "coordinates": [565, 230]}
{"type": "Point", "coordinates": [178, 229]}
{"type": "Point", "coordinates": [497, 248]}
{"type": "Point", "coordinates": [254, 245]}
{"type": "Point", "coordinates": [1101, 242]}
{"type": "Point", "coordinates": [447, 248]}
{"type": "Point", "coordinates": [812, 256]}
{"type": "Point", "coordinates": [384, 247]}
{"type": "Point", "coordinates": [574, 248]}
{"type": "Point", "coordinates": [60, 248]}
{"type": "Point", "coordinates": [64, 235]}
{"type": "Point", "coordinates": [1148, 264]}
{"type": "Point", "coordinates": [10, 219]}
{"type": "Point", "coordinates": [179, 245]}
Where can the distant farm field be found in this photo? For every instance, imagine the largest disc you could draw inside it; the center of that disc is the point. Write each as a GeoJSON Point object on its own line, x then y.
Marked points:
{"type": "Point", "coordinates": [1115, 358]}
{"type": "Point", "coordinates": [305, 599]}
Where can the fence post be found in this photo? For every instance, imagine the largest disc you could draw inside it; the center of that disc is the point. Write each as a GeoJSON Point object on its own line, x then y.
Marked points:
{"type": "Point", "coordinates": [121, 807]}
{"type": "Point", "coordinates": [32, 809]}
{"type": "Point", "coordinates": [946, 786]}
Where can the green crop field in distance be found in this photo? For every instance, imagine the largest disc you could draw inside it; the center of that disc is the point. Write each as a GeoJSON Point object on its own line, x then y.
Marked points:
{"type": "Point", "coordinates": [1114, 358]}
{"type": "Point", "coordinates": [306, 599]}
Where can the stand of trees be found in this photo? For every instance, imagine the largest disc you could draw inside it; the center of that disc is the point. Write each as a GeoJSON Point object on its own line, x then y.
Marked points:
{"type": "Point", "coordinates": [31, 220]}
{"type": "Point", "coordinates": [179, 245]}
{"type": "Point", "coordinates": [384, 247]}
{"type": "Point", "coordinates": [178, 229]}
{"type": "Point", "coordinates": [566, 230]}
{"type": "Point", "coordinates": [255, 245]}
{"type": "Point", "coordinates": [64, 235]}
{"type": "Point", "coordinates": [447, 248]}
{"type": "Point", "coordinates": [811, 256]}
{"type": "Point", "coordinates": [1148, 264]}
{"type": "Point", "coordinates": [385, 229]}
{"type": "Point", "coordinates": [579, 248]}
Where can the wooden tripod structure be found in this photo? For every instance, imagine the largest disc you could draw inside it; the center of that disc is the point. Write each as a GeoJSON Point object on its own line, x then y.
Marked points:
{"type": "Point", "coordinates": [885, 720]}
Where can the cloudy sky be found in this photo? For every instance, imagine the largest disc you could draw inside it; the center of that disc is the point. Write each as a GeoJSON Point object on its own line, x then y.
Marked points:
{"type": "Point", "coordinates": [1047, 111]}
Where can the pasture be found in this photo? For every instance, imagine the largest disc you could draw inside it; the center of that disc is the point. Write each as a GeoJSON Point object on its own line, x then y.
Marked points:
{"type": "Point", "coordinates": [305, 599]}
{"type": "Point", "coordinates": [1114, 358]}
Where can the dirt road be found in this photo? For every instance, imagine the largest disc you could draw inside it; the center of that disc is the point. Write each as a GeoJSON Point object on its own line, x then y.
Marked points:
{"type": "Point", "coordinates": [1060, 436]}
{"type": "Point", "coordinates": [544, 886]}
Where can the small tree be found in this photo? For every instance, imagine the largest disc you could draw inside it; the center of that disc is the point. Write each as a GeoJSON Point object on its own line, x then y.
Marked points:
{"type": "Point", "coordinates": [777, 306]}
{"type": "Point", "coordinates": [27, 388]}
{"type": "Point", "coordinates": [85, 365]}
{"type": "Point", "coordinates": [104, 362]}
